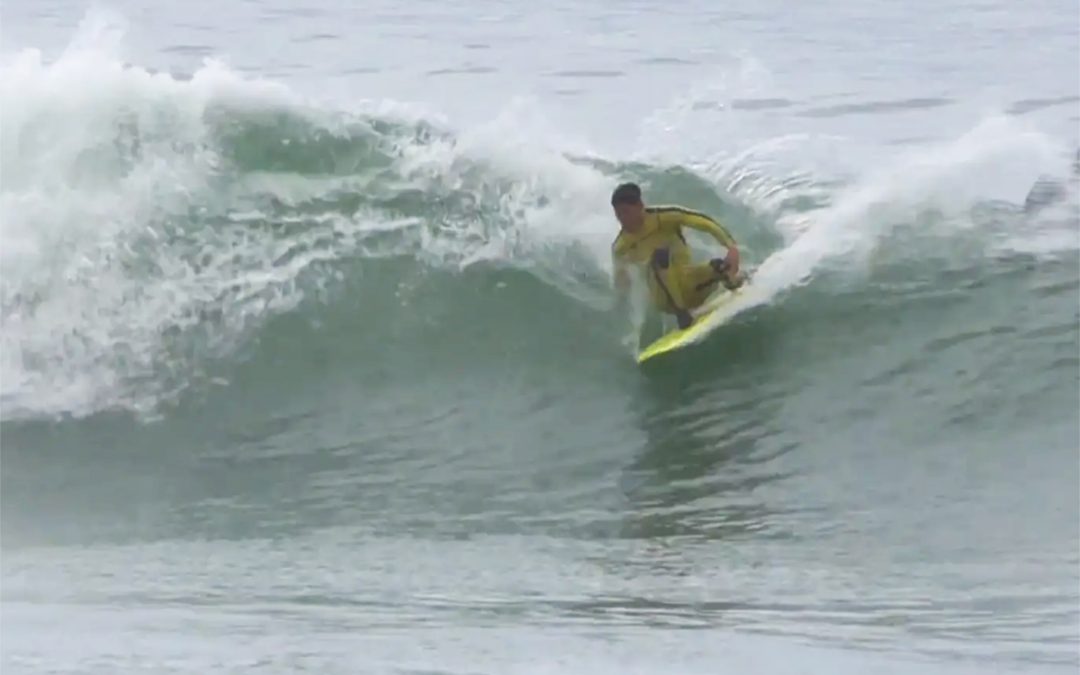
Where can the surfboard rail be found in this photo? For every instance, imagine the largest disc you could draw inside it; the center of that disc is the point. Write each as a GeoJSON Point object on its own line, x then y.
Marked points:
{"type": "Point", "coordinates": [700, 327]}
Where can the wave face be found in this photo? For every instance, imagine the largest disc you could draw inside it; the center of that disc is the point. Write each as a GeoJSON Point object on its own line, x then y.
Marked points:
{"type": "Point", "coordinates": [153, 225]}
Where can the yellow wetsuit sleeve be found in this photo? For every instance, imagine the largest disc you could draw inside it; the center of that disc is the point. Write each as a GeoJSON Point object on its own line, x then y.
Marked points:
{"type": "Point", "coordinates": [618, 268]}
{"type": "Point", "coordinates": [673, 217]}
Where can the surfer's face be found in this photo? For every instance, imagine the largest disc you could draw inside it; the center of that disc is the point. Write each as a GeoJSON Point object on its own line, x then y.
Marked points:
{"type": "Point", "coordinates": [630, 216]}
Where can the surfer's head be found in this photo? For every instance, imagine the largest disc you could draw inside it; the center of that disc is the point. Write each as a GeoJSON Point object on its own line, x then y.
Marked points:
{"type": "Point", "coordinates": [629, 209]}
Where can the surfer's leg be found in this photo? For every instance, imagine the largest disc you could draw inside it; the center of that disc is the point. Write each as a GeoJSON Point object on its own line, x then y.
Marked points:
{"type": "Point", "coordinates": [698, 282]}
{"type": "Point", "coordinates": [666, 289]}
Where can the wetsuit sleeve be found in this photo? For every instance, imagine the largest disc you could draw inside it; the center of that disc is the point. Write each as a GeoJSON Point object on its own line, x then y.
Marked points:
{"type": "Point", "coordinates": [699, 221]}
{"type": "Point", "coordinates": [618, 267]}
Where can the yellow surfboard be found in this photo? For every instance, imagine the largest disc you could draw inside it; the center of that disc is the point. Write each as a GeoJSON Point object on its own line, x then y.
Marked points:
{"type": "Point", "coordinates": [702, 326]}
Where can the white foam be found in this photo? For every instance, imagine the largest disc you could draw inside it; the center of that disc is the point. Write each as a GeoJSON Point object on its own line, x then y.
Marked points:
{"type": "Point", "coordinates": [998, 159]}
{"type": "Point", "coordinates": [99, 161]}
{"type": "Point", "coordinates": [121, 235]}
{"type": "Point", "coordinates": [546, 202]}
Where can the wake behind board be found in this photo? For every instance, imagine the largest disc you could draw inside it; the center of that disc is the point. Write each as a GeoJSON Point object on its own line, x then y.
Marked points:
{"type": "Point", "coordinates": [702, 326]}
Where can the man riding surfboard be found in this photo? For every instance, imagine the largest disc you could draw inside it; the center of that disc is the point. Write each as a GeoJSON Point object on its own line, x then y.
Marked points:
{"type": "Point", "coordinates": [652, 236]}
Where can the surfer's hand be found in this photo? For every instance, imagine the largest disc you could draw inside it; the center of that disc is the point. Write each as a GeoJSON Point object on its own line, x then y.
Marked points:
{"type": "Point", "coordinates": [732, 278]}
{"type": "Point", "coordinates": [731, 263]}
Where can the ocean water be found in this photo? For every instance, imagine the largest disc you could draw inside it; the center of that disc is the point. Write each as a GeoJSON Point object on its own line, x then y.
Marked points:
{"type": "Point", "coordinates": [310, 361]}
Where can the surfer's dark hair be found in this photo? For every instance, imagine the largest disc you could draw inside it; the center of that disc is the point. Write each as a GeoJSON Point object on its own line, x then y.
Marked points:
{"type": "Point", "coordinates": [627, 193]}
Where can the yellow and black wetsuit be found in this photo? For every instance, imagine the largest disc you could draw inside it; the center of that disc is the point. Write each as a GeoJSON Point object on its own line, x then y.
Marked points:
{"type": "Point", "coordinates": [675, 282]}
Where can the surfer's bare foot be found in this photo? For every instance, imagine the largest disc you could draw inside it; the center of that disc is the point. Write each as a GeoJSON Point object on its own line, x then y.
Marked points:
{"type": "Point", "coordinates": [684, 318]}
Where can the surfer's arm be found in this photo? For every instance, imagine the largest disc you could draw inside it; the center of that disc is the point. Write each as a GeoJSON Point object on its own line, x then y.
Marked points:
{"type": "Point", "coordinates": [703, 223]}
{"type": "Point", "coordinates": [620, 275]}
{"type": "Point", "coordinates": [700, 221]}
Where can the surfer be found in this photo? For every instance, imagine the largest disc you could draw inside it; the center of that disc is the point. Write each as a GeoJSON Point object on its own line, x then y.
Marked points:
{"type": "Point", "coordinates": [652, 236]}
